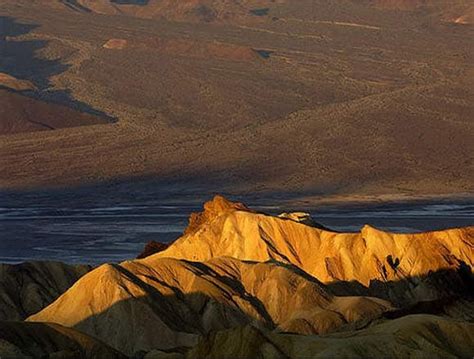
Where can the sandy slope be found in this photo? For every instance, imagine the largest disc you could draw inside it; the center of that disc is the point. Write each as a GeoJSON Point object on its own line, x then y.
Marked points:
{"type": "Point", "coordinates": [166, 303]}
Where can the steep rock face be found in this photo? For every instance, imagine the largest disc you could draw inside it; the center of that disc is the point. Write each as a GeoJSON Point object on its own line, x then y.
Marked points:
{"type": "Point", "coordinates": [371, 259]}
{"type": "Point", "coordinates": [40, 340]}
{"type": "Point", "coordinates": [167, 303]}
{"type": "Point", "coordinates": [29, 287]}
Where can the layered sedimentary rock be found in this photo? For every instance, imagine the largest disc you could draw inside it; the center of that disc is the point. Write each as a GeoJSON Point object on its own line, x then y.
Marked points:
{"type": "Point", "coordinates": [151, 248]}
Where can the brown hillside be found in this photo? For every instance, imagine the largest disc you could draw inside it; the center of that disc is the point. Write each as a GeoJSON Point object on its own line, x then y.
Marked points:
{"type": "Point", "coordinates": [19, 113]}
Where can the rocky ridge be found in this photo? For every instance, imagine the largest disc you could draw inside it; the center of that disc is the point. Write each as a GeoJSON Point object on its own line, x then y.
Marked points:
{"type": "Point", "coordinates": [238, 282]}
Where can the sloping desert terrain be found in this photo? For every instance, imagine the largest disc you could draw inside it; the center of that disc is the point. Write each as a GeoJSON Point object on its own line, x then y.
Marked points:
{"type": "Point", "coordinates": [336, 98]}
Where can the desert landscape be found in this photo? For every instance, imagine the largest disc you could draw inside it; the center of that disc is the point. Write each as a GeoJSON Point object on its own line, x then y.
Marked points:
{"type": "Point", "coordinates": [331, 144]}
{"type": "Point", "coordinates": [243, 284]}
{"type": "Point", "coordinates": [248, 102]}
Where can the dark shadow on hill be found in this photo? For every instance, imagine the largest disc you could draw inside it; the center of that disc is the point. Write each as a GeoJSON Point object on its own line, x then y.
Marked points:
{"type": "Point", "coordinates": [430, 293]}
{"type": "Point", "coordinates": [28, 287]}
{"type": "Point", "coordinates": [260, 12]}
{"type": "Point", "coordinates": [74, 5]}
{"type": "Point", "coordinates": [45, 340]}
{"type": "Point", "coordinates": [19, 58]}
{"type": "Point", "coordinates": [20, 114]}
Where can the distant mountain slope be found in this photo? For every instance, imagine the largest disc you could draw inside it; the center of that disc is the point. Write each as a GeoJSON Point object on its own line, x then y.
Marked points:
{"type": "Point", "coordinates": [19, 113]}
{"type": "Point", "coordinates": [189, 10]}
{"type": "Point", "coordinates": [231, 10]}
{"type": "Point", "coordinates": [302, 98]}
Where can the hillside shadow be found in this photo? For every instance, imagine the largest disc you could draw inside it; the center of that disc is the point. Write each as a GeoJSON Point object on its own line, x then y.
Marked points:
{"type": "Point", "coordinates": [19, 58]}
{"type": "Point", "coordinates": [43, 340]}
{"type": "Point", "coordinates": [432, 291]}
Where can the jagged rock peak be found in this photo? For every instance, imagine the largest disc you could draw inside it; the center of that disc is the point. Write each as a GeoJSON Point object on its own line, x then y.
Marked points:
{"type": "Point", "coordinates": [214, 208]}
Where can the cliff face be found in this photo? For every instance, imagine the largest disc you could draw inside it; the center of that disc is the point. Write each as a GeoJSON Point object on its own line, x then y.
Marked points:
{"type": "Point", "coordinates": [235, 268]}
{"type": "Point", "coordinates": [29, 287]}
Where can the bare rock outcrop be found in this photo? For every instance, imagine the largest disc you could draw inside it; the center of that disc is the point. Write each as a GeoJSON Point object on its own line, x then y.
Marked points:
{"type": "Point", "coordinates": [217, 207]}
{"type": "Point", "coordinates": [115, 44]}
{"type": "Point", "coordinates": [153, 247]}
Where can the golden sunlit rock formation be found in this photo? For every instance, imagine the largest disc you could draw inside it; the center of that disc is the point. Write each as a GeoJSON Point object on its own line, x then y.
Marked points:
{"type": "Point", "coordinates": [167, 303]}
{"type": "Point", "coordinates": [366, 257]}
{"type": "Point", "coordinates": [234, 268]}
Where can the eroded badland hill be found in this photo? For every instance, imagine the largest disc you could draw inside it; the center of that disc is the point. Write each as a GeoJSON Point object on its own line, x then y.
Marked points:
{"type": "Point", "coordinates": [243, 284]}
